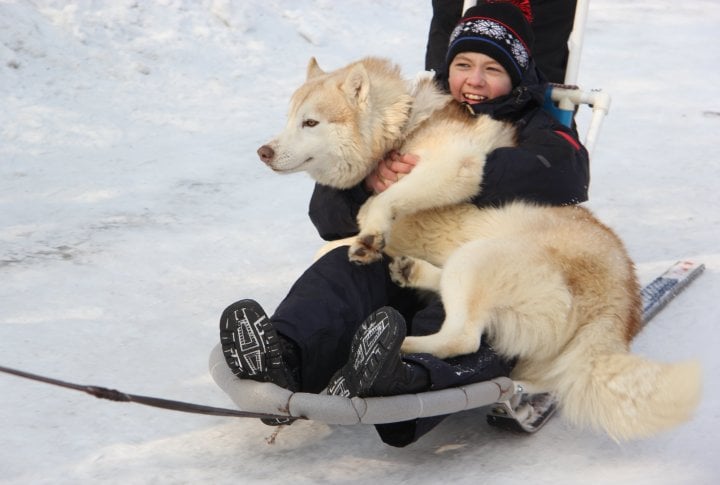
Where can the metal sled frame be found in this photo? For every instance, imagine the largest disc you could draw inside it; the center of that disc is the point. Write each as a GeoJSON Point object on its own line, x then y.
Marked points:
{"type": "Point", "coordinates": [265, 397]}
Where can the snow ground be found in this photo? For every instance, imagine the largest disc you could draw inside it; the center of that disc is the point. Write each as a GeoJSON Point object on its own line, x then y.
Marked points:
{"type": "Point", "coordinates": [133, 209]}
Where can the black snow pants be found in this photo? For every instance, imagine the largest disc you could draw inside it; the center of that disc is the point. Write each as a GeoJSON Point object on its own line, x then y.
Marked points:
{"type": "Point", "coordinates": [333, 297]}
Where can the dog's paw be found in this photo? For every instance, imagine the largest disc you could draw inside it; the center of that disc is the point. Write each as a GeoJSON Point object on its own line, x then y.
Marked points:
{"type": "Point", "coordinates": [406, 347]}
{"type": "Point", "coordinates": [401, 270]}
{"type": "Point", "coordinates": [410, 346]}
{"type": "Point", "coordinates": [366, 248]}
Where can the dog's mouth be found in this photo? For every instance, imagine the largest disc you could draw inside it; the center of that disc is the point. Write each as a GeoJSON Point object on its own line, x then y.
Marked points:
{"type": "Point", "coordinates": [291, 169]}
{"type": "Point", "coordinates": [474, 98]}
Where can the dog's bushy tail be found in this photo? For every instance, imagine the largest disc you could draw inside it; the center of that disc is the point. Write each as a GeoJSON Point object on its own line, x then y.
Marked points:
{"type": "Point", "coordinates": [629, 396]}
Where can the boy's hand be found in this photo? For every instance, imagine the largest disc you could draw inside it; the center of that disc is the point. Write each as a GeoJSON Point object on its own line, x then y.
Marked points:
{"type": "Point", "coordinates": [389, 170]}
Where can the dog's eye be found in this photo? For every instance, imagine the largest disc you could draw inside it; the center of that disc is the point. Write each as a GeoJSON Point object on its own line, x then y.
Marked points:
{"type": "Point", "coordinates": [309, 123]}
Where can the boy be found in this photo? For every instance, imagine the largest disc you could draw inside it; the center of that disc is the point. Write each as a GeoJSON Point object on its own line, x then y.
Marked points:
{"type": "Point", "coordinates": [320, 336]}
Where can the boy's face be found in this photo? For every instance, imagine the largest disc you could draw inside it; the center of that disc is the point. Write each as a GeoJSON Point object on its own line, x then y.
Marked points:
{"type": "Point", "coordinates": [475, 78]}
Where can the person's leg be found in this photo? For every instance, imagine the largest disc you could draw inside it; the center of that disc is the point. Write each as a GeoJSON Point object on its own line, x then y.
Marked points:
{"type": "Point", "coordinates": [374, 358]}
{"type": "Point", "coordinates": [446, 14]}
{"type": "Point", "coordinates": [482, 365]}
{"type": "Point", "coordinates": [325, 307]}
{"type": "Point", "coordinates": [375, 367]}
{"type": "Point", "coordinates": [252, 347]}
{"type": "Point", "coordinates": [552, 24]}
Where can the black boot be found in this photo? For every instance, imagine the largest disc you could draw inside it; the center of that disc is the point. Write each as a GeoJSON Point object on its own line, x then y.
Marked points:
{"type": "Point", "coordinates": [253, 349]}
{"type": "Point", "coordinates": [401, 378]}
{"type": "Point", "coordinates": [374, 367]}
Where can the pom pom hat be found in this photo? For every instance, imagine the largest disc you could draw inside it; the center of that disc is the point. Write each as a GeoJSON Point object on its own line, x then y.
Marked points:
{"type": "Point", "coordinates": [499, 30]}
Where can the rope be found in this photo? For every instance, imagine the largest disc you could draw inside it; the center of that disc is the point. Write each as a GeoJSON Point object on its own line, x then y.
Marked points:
{"type": "Point", "coordinates": [114, 395]}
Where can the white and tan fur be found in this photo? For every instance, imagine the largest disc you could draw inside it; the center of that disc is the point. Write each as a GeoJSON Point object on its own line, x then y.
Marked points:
{"type": "Point", "coordinates": [550, 285]}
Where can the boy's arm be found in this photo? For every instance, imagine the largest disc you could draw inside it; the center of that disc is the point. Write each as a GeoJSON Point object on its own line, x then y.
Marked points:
{"type": "Point", "coordinates": [334, 211]}
{"type": "Point", "coordinates": [549, 167]}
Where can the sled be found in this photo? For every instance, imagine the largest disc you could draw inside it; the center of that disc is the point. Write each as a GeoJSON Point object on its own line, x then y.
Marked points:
{"type": "Point", "coordinates": [510, 406]}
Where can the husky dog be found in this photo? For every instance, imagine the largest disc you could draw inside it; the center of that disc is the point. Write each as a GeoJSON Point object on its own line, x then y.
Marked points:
{"type": "Point", "coordinates": [551, 286]}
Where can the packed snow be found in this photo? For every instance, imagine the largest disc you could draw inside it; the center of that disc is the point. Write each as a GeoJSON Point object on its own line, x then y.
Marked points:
{"type": "Point", "coordinates": [133, 209]}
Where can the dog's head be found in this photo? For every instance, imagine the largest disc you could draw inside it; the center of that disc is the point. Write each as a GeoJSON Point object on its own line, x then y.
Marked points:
{"type": "Point", "coordinates": [326, 134]}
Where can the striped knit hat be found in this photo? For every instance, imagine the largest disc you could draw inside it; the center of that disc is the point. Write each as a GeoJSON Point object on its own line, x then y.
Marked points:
{"type": "Point", "coordinates": [499, 30]}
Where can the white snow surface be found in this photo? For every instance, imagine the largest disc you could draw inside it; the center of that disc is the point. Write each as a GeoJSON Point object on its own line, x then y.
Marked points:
{"type": "Point", "coordinates": [133, 209]}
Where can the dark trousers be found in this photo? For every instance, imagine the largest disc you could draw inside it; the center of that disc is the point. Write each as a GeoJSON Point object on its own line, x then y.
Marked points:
{"type": "Point", "coordinates": [331, 299]}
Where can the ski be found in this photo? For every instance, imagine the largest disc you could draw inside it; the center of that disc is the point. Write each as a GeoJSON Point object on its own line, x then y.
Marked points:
{"type": "Point", "coordinates": [528, 413]}
{"type": "Point", "coordinates": [667, 286]}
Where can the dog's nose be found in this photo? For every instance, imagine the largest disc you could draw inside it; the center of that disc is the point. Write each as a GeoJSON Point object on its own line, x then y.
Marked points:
{"type": "Point", "coordinates": [266, 154]}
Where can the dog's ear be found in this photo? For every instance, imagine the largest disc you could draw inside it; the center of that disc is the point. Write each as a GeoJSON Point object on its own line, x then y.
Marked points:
{"type": "Point", "coordinates": [357, 84]}
{"type": "Point", "coordinates": [313, 69]}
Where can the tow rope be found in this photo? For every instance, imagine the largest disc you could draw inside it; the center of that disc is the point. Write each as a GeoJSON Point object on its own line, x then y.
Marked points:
{"type": "Point", "coordinates": [113, 395]}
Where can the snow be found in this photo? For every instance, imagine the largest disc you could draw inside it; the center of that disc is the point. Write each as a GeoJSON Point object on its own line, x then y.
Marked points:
{"type": "Point", "coordinates": [133, 209]}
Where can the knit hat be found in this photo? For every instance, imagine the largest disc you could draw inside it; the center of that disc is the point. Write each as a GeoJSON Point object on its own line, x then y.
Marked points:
{"type": "Point", "coordinates": [499, 30]}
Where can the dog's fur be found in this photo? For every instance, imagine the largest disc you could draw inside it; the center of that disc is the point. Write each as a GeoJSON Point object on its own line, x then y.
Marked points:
{"type": "Point", "coordinates": [550, 285]}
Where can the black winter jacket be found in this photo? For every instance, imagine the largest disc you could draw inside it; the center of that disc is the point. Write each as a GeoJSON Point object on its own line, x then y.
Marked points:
{"type": "Point", "coordinates": [548, 166]}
